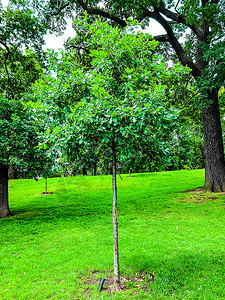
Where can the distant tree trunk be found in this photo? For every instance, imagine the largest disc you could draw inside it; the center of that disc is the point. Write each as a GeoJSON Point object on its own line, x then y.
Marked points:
{"type": "Point", "coordinates": [84, 171]}
{"type": "Point", "coordinates": [115, 224]}
{"type": "Point", "coordinates": [214, 151]}
{"type": "Point", "coordinates": [4, 204]}
{"type": "Point", "coordinates": [95, 169]}
{"type": "Point", "coordinates": [46, 186]}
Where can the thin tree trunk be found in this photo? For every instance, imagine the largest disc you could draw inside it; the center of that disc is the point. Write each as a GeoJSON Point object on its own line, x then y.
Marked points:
{"type": "Point", "coordinates": [95, 169]}
{"type": "Point", "coordinates": [4, 204]}
{"type": "Point", "coordinates": [214, 151]}
{"type": "Point", "coordinates": [46, 186]}
{"type": "Point", "coordinates": [115, 224]}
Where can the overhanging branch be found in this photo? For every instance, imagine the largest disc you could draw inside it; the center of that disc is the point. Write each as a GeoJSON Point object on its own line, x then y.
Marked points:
{"type": "Point", "coordinates": [156, 14]}
{"type": "Point", "coordinates": [179, 18]}
{"type": "Point", "coordinates": [60, 9]}
{"type": "Point", "coordinates": [161, 38]}
{"type": "Point", "coordinates": [100, 12]}
{"type": "Point", "coordinates": [171, 38]}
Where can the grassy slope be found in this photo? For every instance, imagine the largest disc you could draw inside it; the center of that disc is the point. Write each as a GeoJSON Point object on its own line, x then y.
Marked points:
{"type": "Point", "coordinates": [53, 243]}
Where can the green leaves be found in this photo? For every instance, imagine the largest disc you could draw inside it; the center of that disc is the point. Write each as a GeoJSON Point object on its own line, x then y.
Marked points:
{"type": "Point", "coordinates": [122, 97]}
{"type": "Point", "coordinates": [123, 103]}
{"type": "Point", "coordinates": [21, 39]}
{"type": "Point", "coordinates": [19, 139]}
{"type": "Point", "coordinates": [20, 28]}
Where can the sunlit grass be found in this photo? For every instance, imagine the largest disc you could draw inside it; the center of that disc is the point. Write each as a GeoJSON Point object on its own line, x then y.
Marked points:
{"type": "Point", "coordinates": [54, 244]}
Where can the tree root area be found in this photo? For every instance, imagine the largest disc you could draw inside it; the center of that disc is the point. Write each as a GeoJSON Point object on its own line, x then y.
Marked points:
{"type": "Point", "coordinates": [198, 196]}
{"type": "Point", "coordinates": [133, 284]}
{"type": "Point", "coordinates": [48, 193]}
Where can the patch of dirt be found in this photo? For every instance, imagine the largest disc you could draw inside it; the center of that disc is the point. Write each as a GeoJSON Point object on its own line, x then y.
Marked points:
{"type": "Point", "coordinates": [128, 283]}
{"type": "Point", "coordinates": [196, 190]}
{"type": "Point", "coordinates": [199, 197]}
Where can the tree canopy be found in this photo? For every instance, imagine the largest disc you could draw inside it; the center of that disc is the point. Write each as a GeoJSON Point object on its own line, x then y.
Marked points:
{"type": "Point", "coordinates": [73, 81]}
{"type": "Point", "coordinates": [200, 24]}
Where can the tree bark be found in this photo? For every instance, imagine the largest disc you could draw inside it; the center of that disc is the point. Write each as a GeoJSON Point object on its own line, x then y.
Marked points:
{"type": "Point", "coordinates": [12, 172]}
{"type": "Point", "coordinates": [213, 143]}
{"type": "Point", "coordinates": [115, 224]}
{"type": "Point", "coordinates": [4, 204]}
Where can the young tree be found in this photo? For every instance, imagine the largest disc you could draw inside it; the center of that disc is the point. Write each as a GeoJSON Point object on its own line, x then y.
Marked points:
{"type": "Point", "coordinates": [122, 108]}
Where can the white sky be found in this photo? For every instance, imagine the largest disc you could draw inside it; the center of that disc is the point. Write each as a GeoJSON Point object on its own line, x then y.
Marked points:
{"type": "Point", "coordinates": [53, 41]}
{"type": "Point", "coordinates": [56, 42]}
{"type": "Point", "coordinates": [4, 2]}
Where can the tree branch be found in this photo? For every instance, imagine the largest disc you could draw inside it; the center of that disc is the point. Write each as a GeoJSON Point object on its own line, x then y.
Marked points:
{"type": "Point", "coordinates": [6, 47]}
{"type": "Point", "coordinates": [100, 12]}
{"type": "Point", "coordinates": [176, 17]}
{"type": "Point", "coordinates": [61, 8]}
{"type": "Point", "coordinates": [161, 38]}
{"type": "Point", "coordinates": [156, 15]}
{"type": "Point", "coordinates": [78, 48]}
{"type": "Point", "coordinates": [176, 6]}
{"type": "Point", "coordinates": [170, 37]}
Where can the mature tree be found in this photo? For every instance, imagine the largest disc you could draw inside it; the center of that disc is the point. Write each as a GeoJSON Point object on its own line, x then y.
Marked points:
{"type": "Point", "coordinates": [19, 67]}
{"type": "Point", "coordinates": [19, 147]}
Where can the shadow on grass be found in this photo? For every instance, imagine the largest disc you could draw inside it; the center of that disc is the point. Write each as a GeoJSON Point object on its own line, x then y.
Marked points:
{"type": "Point", "coordinates": [62, 211]}
{"type": "Point", "coordinates": [195, 274]}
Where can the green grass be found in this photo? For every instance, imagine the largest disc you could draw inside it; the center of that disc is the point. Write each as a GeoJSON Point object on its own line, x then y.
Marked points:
{"type": "Point", "coordinates": [57, 246]}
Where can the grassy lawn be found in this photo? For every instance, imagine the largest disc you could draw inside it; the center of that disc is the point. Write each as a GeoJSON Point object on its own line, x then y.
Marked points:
{"type": "Point", "coordinates": [59, 246]}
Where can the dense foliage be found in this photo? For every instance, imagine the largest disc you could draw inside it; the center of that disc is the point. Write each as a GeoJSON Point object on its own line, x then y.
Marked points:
{"type": "Point", "coordinates": [186, 149]}
{"type": "Point", "coordinates": [21, 39]}
{"type": "Point", "coordinates": [125, 74]}
{"type": "Point", "coordinates": [21, 65]}
{"type": "Point", "coordinates": [202, 51]}
{"type": "Point", "coordinates": [19, 140]}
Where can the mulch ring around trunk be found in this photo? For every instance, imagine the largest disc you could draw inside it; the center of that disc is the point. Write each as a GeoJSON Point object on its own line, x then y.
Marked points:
{"type": "Point", "coordinates": [133, 284]}
{"type": "Point", "coordinates": [48, 193]}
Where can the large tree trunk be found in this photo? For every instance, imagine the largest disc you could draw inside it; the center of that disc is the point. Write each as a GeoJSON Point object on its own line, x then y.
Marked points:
{"type": "Point", "coordinates": [115, 225]}
{"type": "Point", "coordinates": [12, 172]}
{"type": "Point", "coordinates": [214, 152]}
{"type": "Point", "coordinates": [4, 205]}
